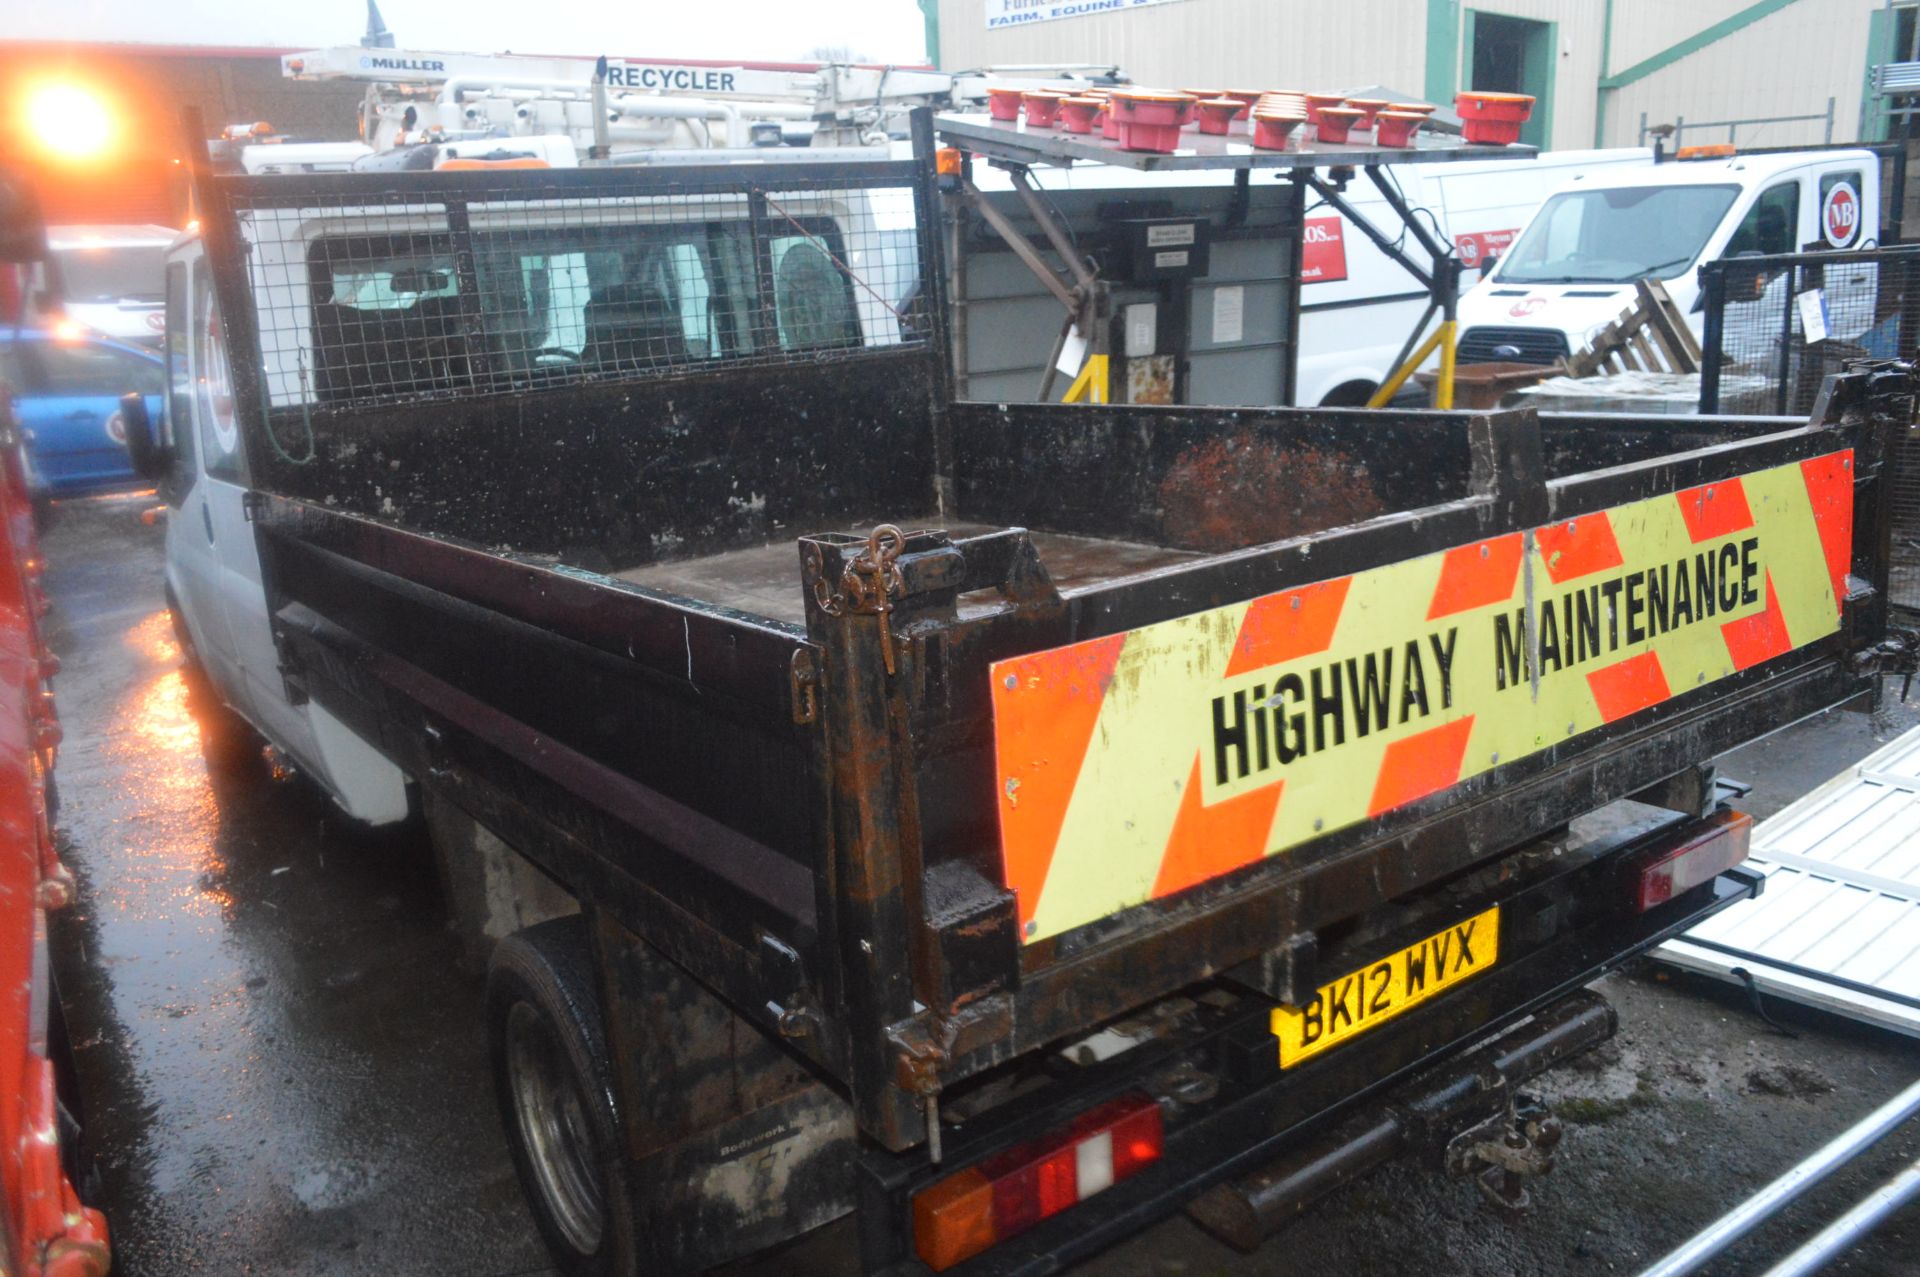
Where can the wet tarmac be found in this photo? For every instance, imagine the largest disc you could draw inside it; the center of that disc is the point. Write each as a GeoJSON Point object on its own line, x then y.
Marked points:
{"type": "Point", "coordinates": [284, 1068]}
{"type": "Point", "coordinates": [282, 1062]}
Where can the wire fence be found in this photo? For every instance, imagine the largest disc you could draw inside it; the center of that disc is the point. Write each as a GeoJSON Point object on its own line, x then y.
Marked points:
{"type": "Point", "coordinates": [1776, 327]}
{"type": "Point", "coordinates": [373, 288]}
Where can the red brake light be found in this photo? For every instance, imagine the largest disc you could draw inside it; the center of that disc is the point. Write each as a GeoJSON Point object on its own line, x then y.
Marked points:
{"type": "Point", "coordinates": [964, 1214]}
{"type": "Point", "coordinates": [1655, 877]}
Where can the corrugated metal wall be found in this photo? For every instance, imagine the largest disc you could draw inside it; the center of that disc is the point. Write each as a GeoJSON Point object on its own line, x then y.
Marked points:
{"type": "Point", "coordinates": [1227, 43]}
{"type": "Point", "coordinates": [1788, 62]}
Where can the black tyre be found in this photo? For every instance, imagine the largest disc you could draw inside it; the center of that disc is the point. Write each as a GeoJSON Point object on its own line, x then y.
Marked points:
{"type": "Point", "coordinates": [554, 1083]}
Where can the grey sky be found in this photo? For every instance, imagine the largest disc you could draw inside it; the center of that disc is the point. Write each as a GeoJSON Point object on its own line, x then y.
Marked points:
{"type": "Point", "coordinates": [887, 30]}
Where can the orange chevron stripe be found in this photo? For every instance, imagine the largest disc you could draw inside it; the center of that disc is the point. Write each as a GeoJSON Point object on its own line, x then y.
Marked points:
{"type": "Point", "coordinates": [1628, 686]}
{"type": "Point", "coordinates": [1579, 547]}
{"type": "Point", "coordinates": [1830, 490]}
{"type": "Point", "coordinates": [1715, 510]}
{"type": "Point", "coordinates": [1420, 765]}
{"type": "Point", "coordinates": [1286, 626]}
{"type": "Point", "coordinates": [1752, 639]}
{"type": "Point", "coordinates": [1209, 841]}
{"type": "Point", "coordinates": [1477, 575]}
{"type": "Point", "coordinates": [1045, 707]}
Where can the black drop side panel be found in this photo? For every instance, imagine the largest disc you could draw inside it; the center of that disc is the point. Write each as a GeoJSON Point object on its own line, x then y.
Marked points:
{"type": "Point", "coordinates": [709, 747]}
{"type": "Point", "coordinates": [1208, 479]}
{"type": "Point", "coordinates": [614, 476]}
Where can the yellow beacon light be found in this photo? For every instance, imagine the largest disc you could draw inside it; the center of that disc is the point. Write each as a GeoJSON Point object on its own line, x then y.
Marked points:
{"type": "Point", "coordinates": [69, 121]}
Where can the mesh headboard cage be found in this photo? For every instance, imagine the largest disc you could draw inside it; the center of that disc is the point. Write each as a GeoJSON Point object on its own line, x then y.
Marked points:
{"type": "Point", "coordinates": [365, 289]}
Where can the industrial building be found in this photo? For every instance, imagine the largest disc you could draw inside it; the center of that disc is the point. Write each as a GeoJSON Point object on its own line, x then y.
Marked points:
{"type": "Point", "coordinates": [1768, 73]}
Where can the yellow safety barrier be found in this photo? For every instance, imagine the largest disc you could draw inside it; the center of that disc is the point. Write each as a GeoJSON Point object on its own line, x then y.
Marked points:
{"type": "Point", "coordinates": [1091, 385]}
{"type": "Point", "coordinates": [1443, 337]}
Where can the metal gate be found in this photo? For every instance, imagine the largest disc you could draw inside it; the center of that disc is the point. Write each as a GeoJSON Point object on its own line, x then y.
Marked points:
{"type": "Point", "coordinates": [1776, 327]}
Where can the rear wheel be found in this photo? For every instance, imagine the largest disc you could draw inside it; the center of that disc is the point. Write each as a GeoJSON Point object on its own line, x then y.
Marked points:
{"type": "Point", "coordinates": [554, 1084]}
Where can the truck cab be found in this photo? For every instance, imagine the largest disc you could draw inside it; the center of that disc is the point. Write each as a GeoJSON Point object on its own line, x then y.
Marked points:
{"type": "Point", "coordinates": [1572, 269]}
{"type": "Point", "coordinates": [214, 587]}
{"type": "Point", "coordinates": [379, 306]}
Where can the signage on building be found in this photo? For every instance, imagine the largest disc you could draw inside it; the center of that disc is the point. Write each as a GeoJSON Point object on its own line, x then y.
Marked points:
{"type": "Point", "coordinates": [1016, 13]}
{"type": "Point", "coordinates": [1323, 251]}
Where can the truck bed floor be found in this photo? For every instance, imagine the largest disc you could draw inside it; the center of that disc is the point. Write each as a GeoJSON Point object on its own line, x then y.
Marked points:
{"type": "Point", "coordinates": [765, 579]}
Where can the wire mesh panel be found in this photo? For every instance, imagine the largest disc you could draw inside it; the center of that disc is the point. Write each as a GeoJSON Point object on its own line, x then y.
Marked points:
{"type": "Point", "coordinates": [374, 288]}
{"type": "Point", "coordinates": [1761, 356]}
{"type": "Point", "coordinates": [1904, 579]}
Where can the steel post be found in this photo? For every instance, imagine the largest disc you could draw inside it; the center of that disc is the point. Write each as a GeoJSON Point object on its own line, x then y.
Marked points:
{"type": "Point", "coordinates": [1831, 1241]}
{"type": "Point", "coordinates": [1713, 280]}
{"type": "Point", "coordinates": [1781, 391]}
{"type": "Point", "coordinates": [1763, 1205]}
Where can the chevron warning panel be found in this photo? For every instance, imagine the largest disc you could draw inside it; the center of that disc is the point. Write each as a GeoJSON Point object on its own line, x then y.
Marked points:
{"type": "Point", "coordinates": [1135, 766]}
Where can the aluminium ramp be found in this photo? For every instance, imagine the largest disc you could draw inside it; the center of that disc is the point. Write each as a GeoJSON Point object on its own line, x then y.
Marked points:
{"type": "Point", "coordinates": [1838, 926]}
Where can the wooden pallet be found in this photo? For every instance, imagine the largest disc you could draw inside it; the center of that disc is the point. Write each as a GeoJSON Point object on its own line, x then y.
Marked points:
{"type": "Point", "coordinates": [1649, 336]}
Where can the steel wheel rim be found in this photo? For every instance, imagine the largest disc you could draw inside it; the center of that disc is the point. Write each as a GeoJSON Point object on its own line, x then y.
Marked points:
{"type": "Point", "coordinates": [552, 1117]}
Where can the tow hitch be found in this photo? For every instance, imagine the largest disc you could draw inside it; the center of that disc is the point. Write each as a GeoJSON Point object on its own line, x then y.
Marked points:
{"type": "Point", "coordinates": [1467, 1115]}
{"type": "Point", "coordinates": [1505, 1151]}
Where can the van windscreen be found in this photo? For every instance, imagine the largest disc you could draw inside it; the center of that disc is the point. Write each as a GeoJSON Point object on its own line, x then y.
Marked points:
{"type": "Point", "coordinates": [1617, 236]}
{"type": "Point", "coordinates": [107, 272]}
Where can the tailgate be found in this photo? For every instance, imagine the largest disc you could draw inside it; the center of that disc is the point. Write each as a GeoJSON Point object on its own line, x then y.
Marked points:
{"type": "Point", "coordinates": [1132, 767]}
{"type": "Point", "coordinates": [1130, 786]}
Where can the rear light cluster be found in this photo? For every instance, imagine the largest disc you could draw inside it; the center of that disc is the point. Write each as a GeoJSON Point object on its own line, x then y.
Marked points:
{"type": "Point", "coordinates": [1656, 877]}
{"type": "Point", "coordinates": [1009, 1193]}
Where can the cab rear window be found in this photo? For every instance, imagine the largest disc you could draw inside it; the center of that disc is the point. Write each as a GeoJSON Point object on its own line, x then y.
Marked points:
{"type": "Point", "coordinates": [530, 306]}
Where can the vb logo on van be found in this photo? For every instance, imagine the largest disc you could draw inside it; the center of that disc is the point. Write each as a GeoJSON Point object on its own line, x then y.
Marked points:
{"type": "Point", "coordinates": [1840, 214]}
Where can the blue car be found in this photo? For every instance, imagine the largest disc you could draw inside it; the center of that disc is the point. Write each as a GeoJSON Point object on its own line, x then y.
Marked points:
{"type": "Point", "coordinates": [66, 389]}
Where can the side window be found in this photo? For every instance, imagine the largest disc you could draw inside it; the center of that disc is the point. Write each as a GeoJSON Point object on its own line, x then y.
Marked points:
{"type": "Point", "coordinates": [1842, 196]}
{"type": "Point", "coordinates": [92, 370]}
{"type": "Point", "coordinates": [812, 297]}
{"type": "Point", "coordinates": [213, 388]}
{"type": "Point", "coordinates": [1772, 225]}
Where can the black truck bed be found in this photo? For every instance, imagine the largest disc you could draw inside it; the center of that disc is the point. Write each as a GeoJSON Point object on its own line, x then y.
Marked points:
{"type": "Point", "coordinates": [764, 579]}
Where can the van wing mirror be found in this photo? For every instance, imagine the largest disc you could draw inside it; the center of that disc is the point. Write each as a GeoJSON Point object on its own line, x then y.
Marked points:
{"type": "Point", "coordinates": [1487, 264]}
{"type": "Point", "coordinates": [149, 456]}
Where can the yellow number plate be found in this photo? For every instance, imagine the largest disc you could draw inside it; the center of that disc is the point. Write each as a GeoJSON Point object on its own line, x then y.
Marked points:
{"type": "Point", "coordinates": [1363, 999]}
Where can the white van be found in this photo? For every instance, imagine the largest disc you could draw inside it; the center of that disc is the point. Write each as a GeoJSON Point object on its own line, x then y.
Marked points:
{"type": "Point", "coordinates": [109, 278]}
{"type": "Point", "coordinates": [1572, 269]}
{"type": "Point", "coordinates": [1357, 305]}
